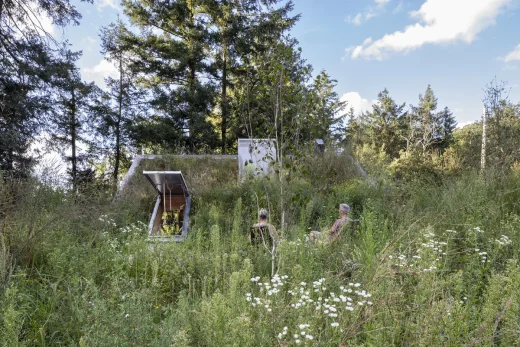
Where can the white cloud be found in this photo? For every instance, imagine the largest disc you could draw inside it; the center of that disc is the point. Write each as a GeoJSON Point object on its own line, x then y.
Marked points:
{"type": "Point", "coordinates": [98, 72]}
{"type": "Point", "coordinates": [358, 103]}
{"type": "Point", "coordinates": [106, 3]}
{"type": "Point", "coordinates": [356, 20]}
{"type": "Point", "coordinates": [438, 22]}
{"type": "Point", "coordinates": [513, 55]}
{"type": "Point", "coordinates": [370, 13]}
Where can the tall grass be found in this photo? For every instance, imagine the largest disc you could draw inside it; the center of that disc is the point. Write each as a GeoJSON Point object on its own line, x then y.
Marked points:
{"type": "Point", "coordinates": [429, 264]}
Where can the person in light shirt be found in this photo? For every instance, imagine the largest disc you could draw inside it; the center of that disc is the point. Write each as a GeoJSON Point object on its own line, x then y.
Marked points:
{"type": "Point", "coordinates": [334, 232]}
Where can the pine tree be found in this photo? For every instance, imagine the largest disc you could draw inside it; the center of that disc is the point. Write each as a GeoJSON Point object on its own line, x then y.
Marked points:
{"type": "Point", "coordinates": [69, 117]}
{"type": "Point", "coordinates": [383, 126]}
{"type": "Point", "coordinates": [326, 119]}
{"type": "Point", "coordinates": [171, 51]}
{"type": "Point", "coordinates": [119, 107]}
{"type": "Point", "coordinates": [243, 28]}
{"type": "Point", "coordinates": [353, 133]}
{"type": "Point", "coordinates": [447, 127]}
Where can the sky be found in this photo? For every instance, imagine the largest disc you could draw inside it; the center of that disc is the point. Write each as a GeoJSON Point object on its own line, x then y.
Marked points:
{"type": "Point", "coordinates": [456, 46]}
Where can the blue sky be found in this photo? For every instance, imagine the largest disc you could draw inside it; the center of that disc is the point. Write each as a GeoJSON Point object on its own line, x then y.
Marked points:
{"type": "Point", "coordinates": [457, 46]}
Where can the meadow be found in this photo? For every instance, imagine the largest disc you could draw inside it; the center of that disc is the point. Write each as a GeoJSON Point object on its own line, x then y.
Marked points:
{"type": "Point", "coordinates": [430, 262]}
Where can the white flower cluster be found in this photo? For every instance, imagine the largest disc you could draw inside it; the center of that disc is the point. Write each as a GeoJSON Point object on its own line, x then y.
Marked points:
{"type": "Point", "coordinates": [303, 334]}
{"type": "Point", "coordinates": [400, 260]}
{"type": "Point", "coordinates": [478, 230]}
{"type": "Point", "coordinates": [133, 228]}
{"type": "Point", "coordinates": [504, 240]}
{"type": "Point", "coordinates": [109, 221]}
{"type": "Point", "coordinates": [314, 297]}
{"type": "Point", "coordinates": [435, 245]}
{"type": "Point", "coordinates": [482, 255]}
{"type": "Point", "coordinates": [430, 243]}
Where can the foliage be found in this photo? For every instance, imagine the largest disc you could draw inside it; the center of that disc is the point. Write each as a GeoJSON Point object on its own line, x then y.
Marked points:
{"type": "Point", "coordinates": [429, 263]}
{"type": "Point", "coordinates": [28, 58]}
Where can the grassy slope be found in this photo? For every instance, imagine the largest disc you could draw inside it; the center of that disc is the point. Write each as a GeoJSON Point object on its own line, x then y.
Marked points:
{"type": "Point", "coordinates": [90, 282]}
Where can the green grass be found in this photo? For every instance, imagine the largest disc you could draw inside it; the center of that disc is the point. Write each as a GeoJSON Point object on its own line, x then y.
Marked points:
{"type": "Point", "coordinates": [69, 277]}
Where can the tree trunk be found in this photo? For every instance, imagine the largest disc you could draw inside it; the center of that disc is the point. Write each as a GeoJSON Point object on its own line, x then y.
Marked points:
{"type": "Point", "coordinates": [118, 125]}
{"type": "Point", "coordinates": [224, 97]}
{"type": "Point", "coordinates": [192, 72]}
{"type": "Point", "coordinates": [483, 153]}
{"type": "Point", "coordinates": [73, 136]}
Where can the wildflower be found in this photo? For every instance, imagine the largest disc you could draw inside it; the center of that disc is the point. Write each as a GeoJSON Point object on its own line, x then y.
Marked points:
{"type": "Point", "coordinates": [280, 336]}
{"type": "Point", "coordinates": [297, 341]}
{"type": "Point", "coordinates": [296, 336]}
{"type": "Point", "coordinates": [127, 315]}
{"type": "Point", "coordinates": [357, 285]}
{"type": "Point", "coordinates": [349, 308]}
{"type": "Point", "coordinates": [335, 324]}
{"type": "Point", "coordinates": [269, 310]}
{"type": "Point", "coordinates": [309, 337]}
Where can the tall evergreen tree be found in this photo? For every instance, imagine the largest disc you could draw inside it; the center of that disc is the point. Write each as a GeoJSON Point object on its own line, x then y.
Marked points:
{"type": "Point", "coordinates": [447, 127]}
{"type": "Point", "coordinates": [383, 126]}
{"type": "Point", "coordinates": [120, 106]}
{"type": "Point", "coordinates": [171, 51]}
{"type": "Point", "coordinates": [353, 133]}
{"type": "Point", "coordinates": [69, 118]}
{"type": "Point", "coordinates": [326, 120]}
{"type": "Point", "coordinates": [241, 29]}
